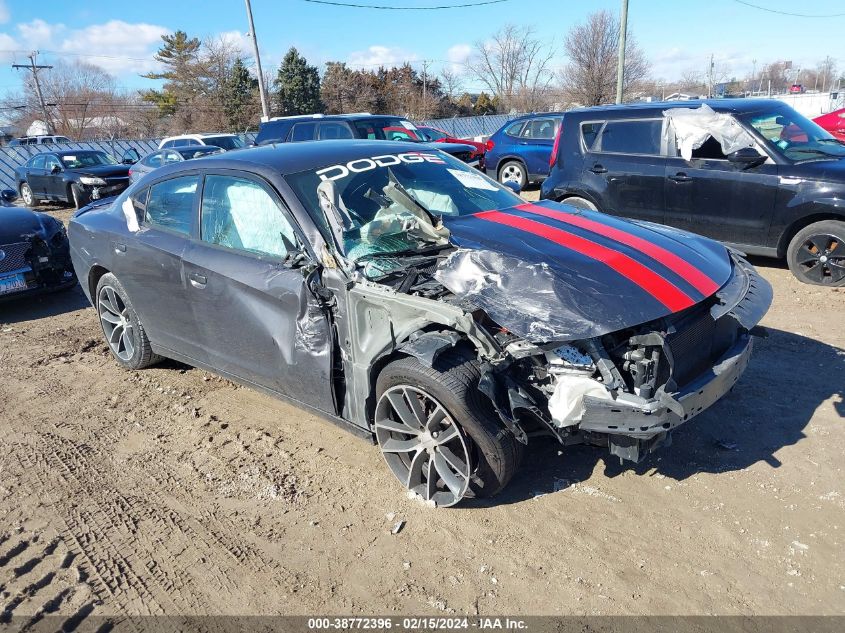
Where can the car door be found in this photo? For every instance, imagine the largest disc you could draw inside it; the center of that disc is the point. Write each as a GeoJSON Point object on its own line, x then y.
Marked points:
{"type": "Point", "coordinates": [54, 183]}
{"type": "Point", "coordinates": [149, 262]}
{"type": "Point", "coordinates": [535, 144]}
{"type": "Point", "coordinates": [625, 167]}
{"type": "Point", "coordinates": [712, 196]}
{"type": "Point", "coordinates": [36, 175]}
{"type": "Point", "coordinates": [257, 318]}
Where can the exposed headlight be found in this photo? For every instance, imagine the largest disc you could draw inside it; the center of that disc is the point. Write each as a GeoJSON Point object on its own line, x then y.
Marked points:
{"type": "Point", "coordinates": [91, 180]}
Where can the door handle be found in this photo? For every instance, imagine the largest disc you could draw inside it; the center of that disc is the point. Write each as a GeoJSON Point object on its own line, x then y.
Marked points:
{"type": "Point", "coordinates": [119, 248]}
{"type": "Point", "coordinates": [598, 168]}
{"type": "Point", "coordinates": [198, 281]}
{"type": "Point", "coordinates": [680, 177]}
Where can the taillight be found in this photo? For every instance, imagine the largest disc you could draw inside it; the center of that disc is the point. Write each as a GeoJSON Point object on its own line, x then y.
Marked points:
{"type": "Point", "coordinates": [553, 157]}
{"type": "Point", "coordinates": [489, 144]}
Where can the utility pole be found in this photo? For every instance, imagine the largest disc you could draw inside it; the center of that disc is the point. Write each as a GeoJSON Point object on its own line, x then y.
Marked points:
{"type": "Point", "coordinates": [261, 91]}
{"type": "Point", "coordinates": [710, 78]}
{"type": "Point", "coordinates": [620, 64]}
{"type": "Point", "coordinates": [425, 88]}
{"type": "Point", "coordinates": [34, 68]}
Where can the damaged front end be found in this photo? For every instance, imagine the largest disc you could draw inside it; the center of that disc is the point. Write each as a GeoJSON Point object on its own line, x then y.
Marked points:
{"type": "Point", "coordinates": [34, 259]}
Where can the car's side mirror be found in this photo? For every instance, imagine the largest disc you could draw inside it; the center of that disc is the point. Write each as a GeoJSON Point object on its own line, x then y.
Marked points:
{"type": "Point", "coordinates": [746, 157]}
{"type": "Point", "coordinates": [8, 195]}
{"type": "Point", "coordinates": [55, 170]}
{"type": "Point", "coordinates": [513, 186]}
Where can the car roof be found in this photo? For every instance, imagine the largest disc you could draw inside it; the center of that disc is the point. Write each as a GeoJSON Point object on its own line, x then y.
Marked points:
{"type": "Point", "coordinates": [720, 105]}
{"type": "Point", "coordinates": [198, 135]}
{"type": "Point", "coordinates": [186, 147]}
{"type": "Point", "coordinates": [290, 158]}
{"type": "Point", "coordinates": [73, 152]}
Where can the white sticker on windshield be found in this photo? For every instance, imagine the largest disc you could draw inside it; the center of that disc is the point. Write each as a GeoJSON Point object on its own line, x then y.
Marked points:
{"type": "Point", "coordinates": [472, 180]}
{"type": "Point", "coordinates": [68, 157]}
{"type": "Point", "coordinates": [131, 218]}
{"type": "Point", "coordinates": [408, 125]}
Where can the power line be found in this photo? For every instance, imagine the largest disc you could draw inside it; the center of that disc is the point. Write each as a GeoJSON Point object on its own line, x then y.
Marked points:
{"type": "Point", "coordinates": [383, 7]}
{"type": "Point", "coordinates": [794, 15]}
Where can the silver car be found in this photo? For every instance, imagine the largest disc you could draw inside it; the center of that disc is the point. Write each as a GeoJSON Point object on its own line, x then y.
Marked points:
{"type": "Point", "coordinates": [163, 157]}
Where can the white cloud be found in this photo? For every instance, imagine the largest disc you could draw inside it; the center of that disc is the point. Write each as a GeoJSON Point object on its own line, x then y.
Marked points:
{"type": "Point", "coordinates": [376, 56]}
{"type": "Point", "coordinates": [241, 41]}
{"type": "Point", "coordinates": [458, 56]}
{"type": "Point", "coordinates": [119, 47]}
{"type": "Point", "coordinates": [4, 12]}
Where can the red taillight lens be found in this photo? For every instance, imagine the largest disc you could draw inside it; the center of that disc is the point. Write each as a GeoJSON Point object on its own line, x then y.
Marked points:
{"type": "Point", "coordinates": [489, 145]}
{"type": "Point", "coordinates": [553, 157]}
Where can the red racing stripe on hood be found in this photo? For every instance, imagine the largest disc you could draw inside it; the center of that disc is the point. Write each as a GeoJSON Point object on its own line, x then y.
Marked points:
{"type": "Point", "coordinates": [665, 292]}
{"type": "Point", "coordinates": [681, 267]}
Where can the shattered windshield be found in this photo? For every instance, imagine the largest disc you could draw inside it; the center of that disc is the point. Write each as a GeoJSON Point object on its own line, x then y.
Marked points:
{"type": "Point", "coordinates": [794, 136]}
{"type": "Point", "coordinates": [394, 203]}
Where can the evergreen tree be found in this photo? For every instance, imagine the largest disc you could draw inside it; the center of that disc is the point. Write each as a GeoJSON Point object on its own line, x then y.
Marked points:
{"type": "Point", "coordinates": [183, 75]}
{"type": "Point", "coordinates": [298, 85]}
{"type": "Point", "coordinates": [239, 96]}
{"type": "Point", "coordinates": [484, 105]}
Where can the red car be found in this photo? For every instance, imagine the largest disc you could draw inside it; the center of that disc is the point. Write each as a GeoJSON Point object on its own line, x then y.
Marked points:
{"type": "Point", "coordinates": [432, 134]}
{"type": "Point", "coordinates": [833, 122]}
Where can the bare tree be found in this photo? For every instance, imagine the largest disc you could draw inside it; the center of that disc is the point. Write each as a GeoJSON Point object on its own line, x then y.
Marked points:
{"type": "Point", "coordinates": [451, 83]}
{"type": "Point", "coordinates": [592, 48]}
{"type": "Point", "coordinates": [514, 65]}
{"type": "Point", "coordinates": [826, 73]}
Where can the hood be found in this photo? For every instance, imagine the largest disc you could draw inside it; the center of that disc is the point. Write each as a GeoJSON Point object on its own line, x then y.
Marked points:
{"type": "Point", "coordinates": [451, 148]}
{"type": "Point", "coordinates": [103, 171]}
{"type": "Point", "coordinates": [17, 224]}
{"type": "Point", "coordinates": [551, 272]}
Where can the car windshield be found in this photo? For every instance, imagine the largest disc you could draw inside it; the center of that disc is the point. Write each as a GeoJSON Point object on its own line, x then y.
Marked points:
{"type": "Point", "coordinates": [394, 203]}
{"type": "Point", "coordinates": [226, 142]}
{"type": "Point", "coordinates": [794, 136]}
{"type": "Point", "coordinates": [87, 159]}
{"type": "Point", "coordinates": [193, 152]}
{"type": "Point", "coordinates": [430, 133]}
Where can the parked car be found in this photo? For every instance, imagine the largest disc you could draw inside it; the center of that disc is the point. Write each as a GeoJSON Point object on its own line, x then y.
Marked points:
{"type": "Point", "coordinates": [796, 89]}
{"type": "Point", "coordinates": [167, 156]}
{"type": "Point", "coordinates": [223, 141]}
{"type": "Point", "coordinates": [406, 297]}
{"type": "Point", "coordinates": [778, 193]}
{"type": "Point", "coordinates": [833, 122]}
{"type": "Point", "coordinates": [72, 176]}
{"type": "Point", "coordinates": [363, 125]}
{"type": "Point", "coordinates": [39, 140]}
{"type": "Point", "coordinates": [435, 135]}
{"type": "Point", "coordinates": [34, 252]}
{"type": "Point", "coordinates": [519, 151]}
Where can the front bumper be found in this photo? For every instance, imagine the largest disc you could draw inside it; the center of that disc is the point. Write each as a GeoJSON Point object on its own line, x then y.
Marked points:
{"type": "Point", "coordinates": [635, 430]}
{"type": "Point", "coordinates": [107, 191]}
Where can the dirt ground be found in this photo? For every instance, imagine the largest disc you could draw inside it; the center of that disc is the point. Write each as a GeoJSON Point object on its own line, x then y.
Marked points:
{"type": "Point", "coordinates": [171, 491]}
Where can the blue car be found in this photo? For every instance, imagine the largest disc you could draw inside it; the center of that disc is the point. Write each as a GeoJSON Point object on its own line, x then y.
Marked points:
{"type": "Point", "coordinates": [519, 152]}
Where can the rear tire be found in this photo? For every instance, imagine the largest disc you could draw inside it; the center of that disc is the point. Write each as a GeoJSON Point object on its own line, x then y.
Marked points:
{"type": "Point", "coordinates": [580, 203]}
{"type": "Point", "coordinates": [122, 329]}
{"type": "Point", "coordinates": [494, 453]}
{"type": "Point", "coordinates": [816, 255]}
{"type": "Point", "coordinates": [27, 195]}
{"type": "Point", "coordinates": [513, 171]}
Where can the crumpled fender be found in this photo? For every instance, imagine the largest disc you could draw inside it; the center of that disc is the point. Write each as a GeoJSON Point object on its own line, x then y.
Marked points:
{"type": "Point", "coordinates": [428, 346]}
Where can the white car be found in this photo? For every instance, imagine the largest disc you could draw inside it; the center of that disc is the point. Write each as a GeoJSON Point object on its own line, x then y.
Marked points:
{"type": "Point", "coordinates": [223, 141]}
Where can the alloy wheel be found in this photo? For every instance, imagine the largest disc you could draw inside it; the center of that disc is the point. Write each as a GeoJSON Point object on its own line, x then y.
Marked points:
{"type": "Point", "coordinates": [26, 194]}
{"type": "Point", "coordinates": [512, 173]}
{"type": "Point", "coordinates": [117, 324]}
{"type": "Point", "coordinates": [821, 259]}
{"type": "Point", "coordinates": [422, 444]}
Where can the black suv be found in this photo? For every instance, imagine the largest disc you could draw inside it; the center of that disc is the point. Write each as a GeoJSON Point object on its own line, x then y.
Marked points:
{"type": "Point", "coordinates": [752, 173]}
{"type": "Point", "coordinates": [382, 127]}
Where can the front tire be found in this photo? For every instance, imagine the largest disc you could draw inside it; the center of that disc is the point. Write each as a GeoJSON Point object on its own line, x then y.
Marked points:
{"type": "Point", "coordinates": [78, 196]}
{"type": "Point", "coordinates": [513, 171]}
{"type": "Point", "coordinates": [27, 195]}
{"type": "Point", "coordinates": [439, 434]}
{"type": "Point", "coordinates": [816, 255]}
{"type": "Point", "coordinates": [124, 333]}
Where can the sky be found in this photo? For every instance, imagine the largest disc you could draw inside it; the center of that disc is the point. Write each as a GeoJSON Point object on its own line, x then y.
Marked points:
{"type": "Point", "coordinates": [677, 36]}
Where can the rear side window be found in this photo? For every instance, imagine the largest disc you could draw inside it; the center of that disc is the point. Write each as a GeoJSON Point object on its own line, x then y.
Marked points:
{"type": "Point", "coordinates": [153, 160]}
{"type": "Point", "coordinates": [514, 128]}
{"type": "Point", "coordinates": [171, 204]}
{"type": "Point", "coordinates": [589, 133]}
{"type": "Point", "coordinates": [240, 214]}
{"type": "Point", "coordinates": [332, 130]}
{"type": "Point", "coordinates": [631, 137]}
{"type": "Point", "coordinates": [302, 132]}
{"type": "Point", "coordinates": [38, 162]}
{"type": "Point", "coordinates": [539, 129]}
{"type": "Point", "coordinates": [179, 142]}
{"type": "Point", "coordinates": [167, 144]}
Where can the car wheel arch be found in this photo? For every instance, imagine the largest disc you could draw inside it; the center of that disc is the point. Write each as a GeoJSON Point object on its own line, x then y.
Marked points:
{"type": "Point", "coordinates": [95, 273]}
{"type": "Point", "coordinates": [505, 159]}
{"type": "Point", "coordinates": [583, 196]}
{"type": "Point", "coordinates": [801, 223]}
